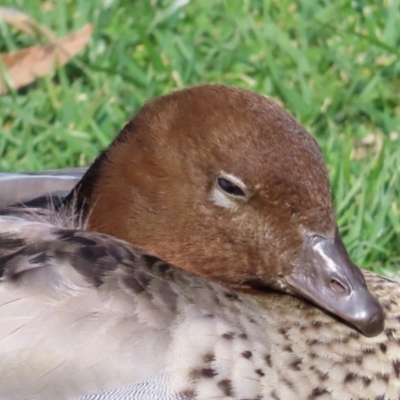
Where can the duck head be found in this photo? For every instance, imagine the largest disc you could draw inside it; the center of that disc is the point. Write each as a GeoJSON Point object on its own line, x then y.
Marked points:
{"type": "Point", "coordinates": [223, 183]}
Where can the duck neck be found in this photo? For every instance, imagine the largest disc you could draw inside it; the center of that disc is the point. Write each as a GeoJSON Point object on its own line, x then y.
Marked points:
{"type": "Point", "coordinates": [78, 198]}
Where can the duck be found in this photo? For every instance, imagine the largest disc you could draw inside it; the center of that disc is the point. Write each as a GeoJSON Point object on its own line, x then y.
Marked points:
{"type": "Point", "coordinates": [198, 257]}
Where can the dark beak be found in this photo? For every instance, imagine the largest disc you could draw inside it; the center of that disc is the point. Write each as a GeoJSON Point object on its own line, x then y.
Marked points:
{"type": "Point", "coordinates": [327, 277]}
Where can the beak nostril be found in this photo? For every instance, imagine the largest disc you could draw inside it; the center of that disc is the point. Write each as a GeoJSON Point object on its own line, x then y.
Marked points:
{"type": "Point", "coordinates": [337, 286]}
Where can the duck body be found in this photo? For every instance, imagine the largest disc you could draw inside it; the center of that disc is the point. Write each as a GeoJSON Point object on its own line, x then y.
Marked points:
{"type": "Point", "coordinates": [160, 272]}
{"type": "Point", "coordinates": [83, 312]}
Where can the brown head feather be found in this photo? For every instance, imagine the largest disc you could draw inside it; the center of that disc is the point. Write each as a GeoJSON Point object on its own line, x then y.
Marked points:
{"type": "Point", "coordinates": [153, 186]}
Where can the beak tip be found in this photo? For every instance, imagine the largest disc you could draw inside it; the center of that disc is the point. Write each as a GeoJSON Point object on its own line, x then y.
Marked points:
{"type": "Point", "coordinates": [374, 321]}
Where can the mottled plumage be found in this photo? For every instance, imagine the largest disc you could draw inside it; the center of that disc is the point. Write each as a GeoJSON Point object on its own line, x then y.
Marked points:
{"type": "Point", "coordinates": [83, 312]}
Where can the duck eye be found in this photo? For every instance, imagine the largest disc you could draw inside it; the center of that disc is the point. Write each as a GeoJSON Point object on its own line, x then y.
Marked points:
{"type": "Point", "coordinates": [230, 188]}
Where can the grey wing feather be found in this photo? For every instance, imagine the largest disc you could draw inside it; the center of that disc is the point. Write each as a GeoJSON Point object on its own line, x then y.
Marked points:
{"type": "Point", "coordinates": [70, 316]}
{"type": "Point", "coordinates": [22, 187]}
{"type": "Point", "coordinates": [150, 389]}
{"type": "Point", "coordinates": [77, 172]}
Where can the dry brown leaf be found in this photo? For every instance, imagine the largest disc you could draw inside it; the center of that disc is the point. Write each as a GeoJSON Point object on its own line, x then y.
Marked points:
{"type": "Point", "coordinates": [24, 66]}
{"type": "Point", "coordinates": [26, 24]}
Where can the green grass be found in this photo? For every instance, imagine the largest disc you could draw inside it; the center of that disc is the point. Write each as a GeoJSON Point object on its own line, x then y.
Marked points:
{"type": "Point", "coordinates": [335, 65]}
